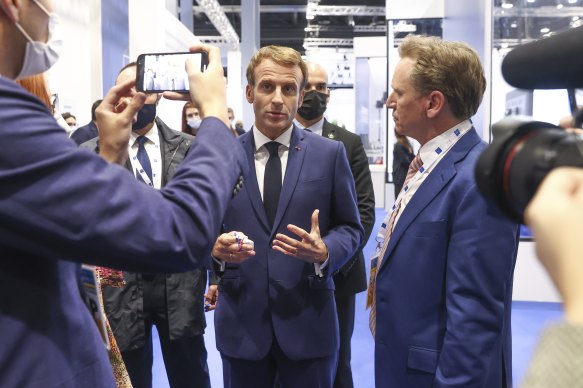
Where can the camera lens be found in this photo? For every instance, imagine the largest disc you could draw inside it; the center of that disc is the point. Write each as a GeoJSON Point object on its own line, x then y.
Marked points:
{"type": "Point", "coordinates": [520, 156]}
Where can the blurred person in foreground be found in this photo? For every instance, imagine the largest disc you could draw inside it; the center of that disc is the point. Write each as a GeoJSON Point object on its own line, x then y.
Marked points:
{"type": "Point", "coordinates": [441, 277]}
{"type": "Point", "coordinates": [62, 205]}
{"type": "Point", "coordinates": [351, 279]}
{"type": "Point", "coordinates": [555, 216]}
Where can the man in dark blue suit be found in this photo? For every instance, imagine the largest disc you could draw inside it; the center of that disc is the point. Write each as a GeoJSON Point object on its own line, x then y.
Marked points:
{"type": "Point", "coordinates": [446, 255]}
{"type": "Point", "coordinates": [276, 312]}
{"type": "Point", "coordinates": [88, 131]}
{"type": "Point", "coordinates": [61, 205]}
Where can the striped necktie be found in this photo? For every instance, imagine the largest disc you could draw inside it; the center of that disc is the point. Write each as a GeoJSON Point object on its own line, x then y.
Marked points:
{"type": "Point", "coordinates": [415, 165]}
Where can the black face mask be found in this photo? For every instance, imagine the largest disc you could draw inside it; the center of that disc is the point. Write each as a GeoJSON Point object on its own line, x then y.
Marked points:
{"type": "Point", "coordinates": [314, 105]}
{"type": "Point", "coordinates": [146, 115]}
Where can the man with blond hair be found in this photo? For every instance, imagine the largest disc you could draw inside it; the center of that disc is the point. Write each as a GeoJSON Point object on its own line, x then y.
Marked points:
{"type": "Point", "coordinates": [441, 278]}
{"type": "Point", "coordinates": [276, 313]}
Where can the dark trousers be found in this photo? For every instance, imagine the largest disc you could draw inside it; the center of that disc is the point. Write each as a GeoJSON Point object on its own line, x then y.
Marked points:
{"type": "Point", "coordinates": [185, 359]}
{"type": "Point", "coordinates": [345, 307]}
{"type": "Point", "coordinates": [310, 373]}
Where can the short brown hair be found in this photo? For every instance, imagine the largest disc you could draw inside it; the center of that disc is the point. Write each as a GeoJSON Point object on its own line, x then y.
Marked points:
{"type": "Point", "coordinates": [284, 56]}
{"type": "Point", "coordinates": [453, 68]}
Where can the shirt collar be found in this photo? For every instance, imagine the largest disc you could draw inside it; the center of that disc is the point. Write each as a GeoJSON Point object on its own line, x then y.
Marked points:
{"type": "Point", "coordinates": [427, 151]}
{"type": "Point", "coordinates": [151, 135]}
{"type": "Point", "coordinates": [317, 127]}
{"type": "Point", "coordinates": [260, 139]}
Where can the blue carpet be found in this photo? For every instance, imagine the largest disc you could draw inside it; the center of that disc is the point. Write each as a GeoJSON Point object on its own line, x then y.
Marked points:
{"type": "Point", "coordinates": [528, 319]}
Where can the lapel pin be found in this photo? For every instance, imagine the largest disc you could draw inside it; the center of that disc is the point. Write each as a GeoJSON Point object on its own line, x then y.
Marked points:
{"type": "Point", "coordinates": [298, 148]}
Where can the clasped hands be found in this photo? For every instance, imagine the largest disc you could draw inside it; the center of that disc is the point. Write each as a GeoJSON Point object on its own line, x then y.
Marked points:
{"type": "Point", "coordinates": [309, 247]}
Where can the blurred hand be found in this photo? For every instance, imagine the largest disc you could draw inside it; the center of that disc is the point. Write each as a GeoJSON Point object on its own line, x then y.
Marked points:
{"type": "Point", "coordinates": [310, 248]}
{"type": "Point", "coordinates": [555, 216]}
{"type": "Point", "coordinates": [114, 120]}
{"type": "Point", "coordinates": [208, 90]}
{"type": "Point", "coordinates": [211, 297]}
{"type": "Point", "coordinates": [227, 248]}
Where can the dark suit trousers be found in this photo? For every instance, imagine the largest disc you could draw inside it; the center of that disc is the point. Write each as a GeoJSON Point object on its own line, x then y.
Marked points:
{"type": "Point", "coordinates": [185, 358]}
{"type": "Point", "coordinates": [345, 308]}
{"type": "Point", "coordinates": [312, 373]}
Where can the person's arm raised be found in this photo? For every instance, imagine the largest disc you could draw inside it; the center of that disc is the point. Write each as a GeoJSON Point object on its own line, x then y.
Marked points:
{"type": "Point", "coordinates": [114, 120]}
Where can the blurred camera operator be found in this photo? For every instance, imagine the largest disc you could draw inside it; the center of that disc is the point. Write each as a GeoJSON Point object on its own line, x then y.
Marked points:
{"type": "Point", "coordinates": [555, 216]}
{"type": "Point", "coordinates": [61, 206]}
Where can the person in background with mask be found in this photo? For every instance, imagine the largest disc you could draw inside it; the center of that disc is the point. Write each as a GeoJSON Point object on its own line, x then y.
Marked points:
{"type": "Point", "coordinates": [190, 119]}
{"type": "Point", "coordinates": [237, 131]}
{"type": "Point", "coordinates": [87, 131]}
{"type": "Point", "coordinates": [174, 303]}
{"type": "Point", "coordinates": [62, 206]}
{"type": "Point", "coordinates": [70, 119]}
{"type": "Point", "coordinates": [351, 279]}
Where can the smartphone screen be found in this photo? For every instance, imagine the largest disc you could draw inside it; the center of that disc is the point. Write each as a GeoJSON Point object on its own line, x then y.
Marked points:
{"type": "Point", "coordinates": [158, 73]}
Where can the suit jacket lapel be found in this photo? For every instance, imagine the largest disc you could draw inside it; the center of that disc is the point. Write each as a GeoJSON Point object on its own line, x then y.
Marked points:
{"type": "Point", "coordinates": [295, 159]}
{"type": "Point", "coordinates": [251, 186]}
{"type": "Point", "coordinates": [430, 188]}
{"type": "Point", "coordinates": [328, 131]}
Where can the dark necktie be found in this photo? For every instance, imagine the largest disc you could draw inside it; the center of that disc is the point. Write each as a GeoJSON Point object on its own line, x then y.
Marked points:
{"type": "Point", "coordinates": [272, 181]}
{"type": "Point", "coordinates": [144, 159]}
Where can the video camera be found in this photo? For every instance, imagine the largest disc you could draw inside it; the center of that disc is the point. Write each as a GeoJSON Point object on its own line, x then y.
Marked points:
{"type": "Point", "coordinates": [523, 152]}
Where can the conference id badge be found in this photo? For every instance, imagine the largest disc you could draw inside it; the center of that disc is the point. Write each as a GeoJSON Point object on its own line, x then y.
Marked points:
{"type": "Point", "coordinates": [92, 291]}
{"type": "Point", "coordinates": [374, 259]}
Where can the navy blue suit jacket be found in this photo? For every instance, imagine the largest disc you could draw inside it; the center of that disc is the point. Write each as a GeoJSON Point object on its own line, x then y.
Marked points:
{"type": "Point", "coordinates": [274, 295]}
{"type": "Point", "coordinates": [444, 288]}
{"type": "Point", "coordinates": [61, 205]}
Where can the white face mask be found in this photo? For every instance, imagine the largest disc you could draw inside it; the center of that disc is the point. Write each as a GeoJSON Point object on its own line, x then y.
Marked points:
{"type": "Point", "coordinates": [194, 123]}
{"type": "Point", "coordinates": [40, 56]}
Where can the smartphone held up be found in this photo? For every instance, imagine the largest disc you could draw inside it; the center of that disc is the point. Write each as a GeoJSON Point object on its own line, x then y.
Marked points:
{"type": "Point", "coordinates": [160, 72]}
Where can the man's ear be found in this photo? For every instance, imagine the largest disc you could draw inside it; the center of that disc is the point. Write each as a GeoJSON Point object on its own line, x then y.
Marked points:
{"type": "Point", "coordinates": [435, 103]}
{"type": "Point", "coordinates": [158, 98]}
{"type": "Point", "coordinates": [249, 93]}
{"type": "Point", "coordinates": [327, 95]}
{"type": "Point", "coordinates": [11, 9]}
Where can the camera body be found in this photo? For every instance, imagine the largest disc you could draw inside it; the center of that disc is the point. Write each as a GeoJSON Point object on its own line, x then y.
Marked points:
{"type": "Point", "coordinates": [523, 152]}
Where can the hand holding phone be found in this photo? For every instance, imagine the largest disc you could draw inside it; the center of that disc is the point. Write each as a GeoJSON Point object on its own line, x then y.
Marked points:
{"type": "Point", "coordinates": [208, 89]}
{"type": "Point", "coordinates": [161, 72]}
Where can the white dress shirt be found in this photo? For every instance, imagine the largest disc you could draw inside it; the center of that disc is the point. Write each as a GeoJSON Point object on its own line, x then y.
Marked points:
{"type": "Point", "coordinates": [153, 150]}
{"type": "Point", "coordinates": [317, 127]}
{"type": "Point", "coordinates": [262, 154]}
{"type": "Point", "coordinates": [431, 154]}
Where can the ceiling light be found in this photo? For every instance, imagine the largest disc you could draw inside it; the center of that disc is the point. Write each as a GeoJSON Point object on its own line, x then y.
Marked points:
{"type": "Point", "coordinates": [544, 30]}
{"type": "Point", "coordinates": [531, 1]}
{"type": "Point", "coordinates": [572, 1]}
{"type": "Point", "coordinates": [514, 25]}
{"type": "Point", "coordinates": [507, 5]}
{"type": "Point", "coordinates": [560, 6]}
